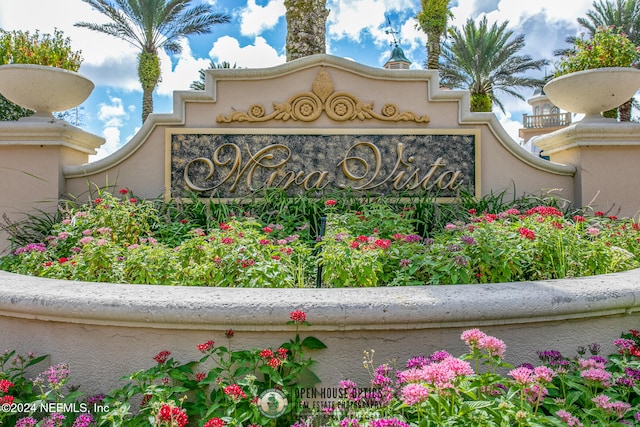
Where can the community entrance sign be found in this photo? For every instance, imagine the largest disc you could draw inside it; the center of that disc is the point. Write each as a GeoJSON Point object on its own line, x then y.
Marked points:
{"type": "Point", "coordinates": [231, 164]}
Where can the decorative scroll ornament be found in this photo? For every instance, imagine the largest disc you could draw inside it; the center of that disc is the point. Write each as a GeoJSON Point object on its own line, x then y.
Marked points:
{"type": "Point", "coordinates": [308, 106]}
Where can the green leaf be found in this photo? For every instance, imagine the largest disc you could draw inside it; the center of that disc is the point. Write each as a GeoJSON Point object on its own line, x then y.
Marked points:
{"type": "Point", "coordinates": [313, 343]}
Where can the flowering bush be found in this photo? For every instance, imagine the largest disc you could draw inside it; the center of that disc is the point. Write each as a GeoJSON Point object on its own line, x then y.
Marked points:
{"type": "Point", "coordinates": [221, 388]}
{"type": "Point", "coordinates": [442, 389]}
{"type": "Point", "coordinates": [128, 240]}
{"type": "Point", "coordinates": [537, 244]}
{"type": "Point", "coordinates": [607, 48]}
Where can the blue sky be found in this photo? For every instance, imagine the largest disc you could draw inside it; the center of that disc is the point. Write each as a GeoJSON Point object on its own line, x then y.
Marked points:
{"type": "Point", "coordinates": [255, 38]}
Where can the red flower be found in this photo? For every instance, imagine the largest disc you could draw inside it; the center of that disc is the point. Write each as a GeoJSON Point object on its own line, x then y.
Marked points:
{"type": "Point", "coordinates": [578, 218]}
{"type": "Point", "coordinates": [472, 211]}
{"type": "Point", "coordinates": [6, 399]}
{"type": "Point", "coordinates": [383, 243]}
{"type": "Point", "coordinates": [48, 264]}
{"type": "Point", "coordinates": [123, 191]}
{"type": "Point", "coordinates": [173, 414]}
{"type": "Point", "coordinates": [132, 200]}
{"type": "Point", "coordinates": [226, 240]}
{"type": "Point", "coordinates": [599, 213]}
{"type": "Point", "coordinates": [330, 202]}
{"type": "Point", "coordinates": [363, 239]}
{"type": "Point", "coordinates": [200, 376]}
{"type": "Point", "coordinates": [204, 347]}
{"type": "Point", "coordinates": [224, 226]}
{"type": "Point", "coordinates": [266, 353]}
{"type": "Point", "coordinates": [282, 353]}
{"type": "Point", "coordinates": [229, 333]}
{"type": "Point", "coordinates": [274, 363]}
{"type": "Point", "coordinates": [526, 233]}
{"type": "Point", "coordinates": [97, 200]}
{"type": "Point", "coordinates": [354, 244]}
{"type": "Point", "coordinates": [214, 422]}
{"type": "Point", "coordinates": [4, 385]}
{"type": "Point", "coordinates": [184, 221]}
{"type": "Point", "coordinates": [234, 391]}
{"type": "Point", "coordinates": [267, 230]}
{"type": "Point", "coordinates": [62, 260]}
{"type": "Point", "coordinates": [162, 357]}
{"type": "Point", "coordinates": [298, 316]}
{"type": "Point", "coordinates": [264, 242]}
{"type": "Point", "coordinates": [612, 217]}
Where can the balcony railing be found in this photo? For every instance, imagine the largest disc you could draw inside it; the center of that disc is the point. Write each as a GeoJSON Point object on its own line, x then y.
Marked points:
{"type": "Point", "coordinates": [546, 120]}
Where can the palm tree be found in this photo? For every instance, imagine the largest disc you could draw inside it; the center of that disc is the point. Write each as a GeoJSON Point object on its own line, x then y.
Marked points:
{"type": "Point", "coordinates": [151, 25]}
{"type": "Point", "coordinates": [199, 84]}
{"type": "Point", "coordinates": [623, 15]}
{"type": "Point", "coordinates": [306, 27]}
{"type": "Point", "coordinates": [485, 60]}
{"type": "Point", "coordinates": [432, 20]}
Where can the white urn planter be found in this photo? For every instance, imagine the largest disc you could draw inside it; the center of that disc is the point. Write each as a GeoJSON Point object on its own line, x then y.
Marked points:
{"type": "Point", "coordinates": [593, 91]}
{"type": "Point", "coordinates": [43, 89]}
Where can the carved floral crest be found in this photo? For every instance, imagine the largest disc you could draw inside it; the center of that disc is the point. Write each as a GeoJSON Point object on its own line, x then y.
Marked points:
{"type": "Point", "coordinates": [340, 106]}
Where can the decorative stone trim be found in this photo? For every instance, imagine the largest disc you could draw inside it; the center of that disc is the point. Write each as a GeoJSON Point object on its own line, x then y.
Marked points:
{"type": "Point", "coordinates": [339, 106]}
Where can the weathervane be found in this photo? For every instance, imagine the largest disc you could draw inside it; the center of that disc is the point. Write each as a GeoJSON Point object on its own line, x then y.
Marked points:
{"type": "Point", "coordinates": [392, 32]}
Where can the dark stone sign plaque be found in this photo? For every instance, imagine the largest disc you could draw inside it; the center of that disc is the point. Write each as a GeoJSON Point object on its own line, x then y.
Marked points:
{"type": "Point", "coordinates": [234, 165]}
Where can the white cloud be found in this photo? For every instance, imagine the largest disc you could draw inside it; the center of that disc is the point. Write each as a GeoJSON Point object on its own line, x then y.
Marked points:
{"type": "Point", "coordinates": [180, 76]}
{"type": "Point", "coordinates": [112, 114]}
{"type": "Point", "coordinates": [111, 135]}
{"type": "Point", "coordinates": [254, 19]}
{"type": "Point", "coordinates": [257, 55]}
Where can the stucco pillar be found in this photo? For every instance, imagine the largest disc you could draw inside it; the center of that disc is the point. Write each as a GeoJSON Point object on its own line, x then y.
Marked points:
{"type": "Point", "coordinates": [606, 155]}
{"type": "Point", "coordinates": [32, 156]}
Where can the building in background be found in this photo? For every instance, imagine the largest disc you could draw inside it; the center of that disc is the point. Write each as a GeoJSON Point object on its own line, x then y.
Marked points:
{"type": "Point", "coordinates": [546, 118]}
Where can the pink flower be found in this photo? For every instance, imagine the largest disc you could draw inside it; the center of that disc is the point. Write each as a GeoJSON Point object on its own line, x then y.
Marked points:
{"type": "Point", "coordinates": [522, 375]}
{"type": "Point", "coordinates": [472, 336]}
{"type": "Point", "coordinates": [593, 231]}
{"type": "Point", "coordinates": [86, 240]}
{"type": "Point", "coordinates": [330, 202]}
{"type": "Point", "coordinates": [414, 393]}
{"type": "Point", "coordinates": [493, 346]}
{"type": "Point", "coordinates": [569, 419]}
{"type": "Point", "coordinates": [543, 374]}
{"type": "Point", "coordinates": [596, 374]}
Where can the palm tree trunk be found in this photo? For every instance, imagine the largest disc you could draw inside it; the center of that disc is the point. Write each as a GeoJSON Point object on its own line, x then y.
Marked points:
{"type": "Point", "coordinates": [433, 51]}
{"type": "Point", "coordinates": [624, 111]}
{"type": "Point", "coordinates": [306, 27]}
{"type": "Point", "coordinates": [147, 102]}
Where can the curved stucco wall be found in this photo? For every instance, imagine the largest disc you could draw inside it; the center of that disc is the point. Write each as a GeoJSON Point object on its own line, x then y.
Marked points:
{"type": "Point", "coordinates": [105, 331]}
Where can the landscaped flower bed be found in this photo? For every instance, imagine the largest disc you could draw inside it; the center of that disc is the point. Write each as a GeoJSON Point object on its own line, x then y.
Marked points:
{"type": "Point", "coordinates": [366, 243]}
{"type": "Point", "coordinates": [223, 384]}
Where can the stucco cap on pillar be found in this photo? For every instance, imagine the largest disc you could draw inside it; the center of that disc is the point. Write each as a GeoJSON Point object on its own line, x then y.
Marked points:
{"type": "Point", "coordinates": [54, 132]}
{"type": "Point", "coordinates": [602, 133]}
